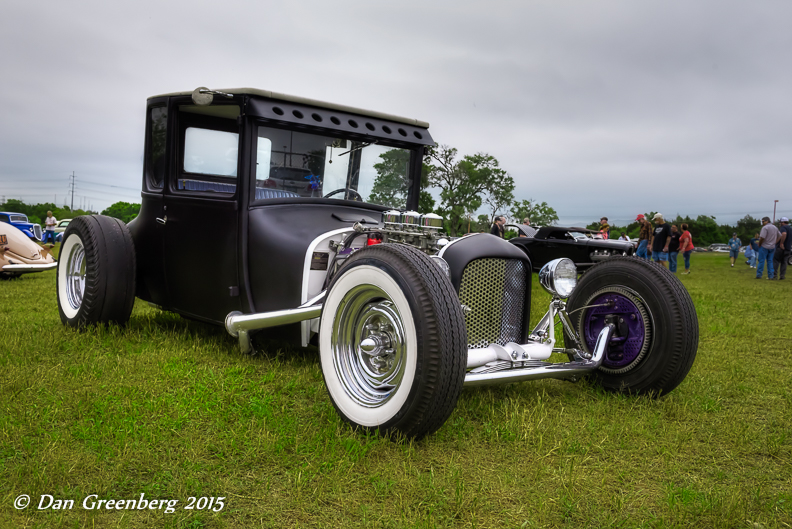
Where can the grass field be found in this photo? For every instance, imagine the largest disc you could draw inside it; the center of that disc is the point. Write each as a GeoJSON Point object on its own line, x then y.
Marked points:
{"type": "Point", "coordinates": [170, 409]}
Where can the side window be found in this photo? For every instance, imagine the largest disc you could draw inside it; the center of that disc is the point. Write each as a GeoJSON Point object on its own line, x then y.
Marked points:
{"type": "Point", "coordinates": [157, 137]}
{"type": "Point", "coordinates": [210, 152]}
{"type": "Point", "coordinates": [3, 218]}
{"type": "Point", "coordinates": [210, 161]}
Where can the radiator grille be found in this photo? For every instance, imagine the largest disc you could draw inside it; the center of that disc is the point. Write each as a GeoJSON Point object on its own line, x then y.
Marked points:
{"type": "Point", "coordinates": [494, 290]}
{"type": "Point", "coordinates": [37, 231]}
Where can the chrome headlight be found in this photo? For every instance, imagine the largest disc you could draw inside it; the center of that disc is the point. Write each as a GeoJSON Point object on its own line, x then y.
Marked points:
{"type": "Point", "coordinates": [439, 261]}
{"type": "Point", "coordinates": [559, 277]}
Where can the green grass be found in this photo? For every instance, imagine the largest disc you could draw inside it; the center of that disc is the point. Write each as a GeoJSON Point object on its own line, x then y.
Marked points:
{"type": "Point", "coordinates": [171, 409]}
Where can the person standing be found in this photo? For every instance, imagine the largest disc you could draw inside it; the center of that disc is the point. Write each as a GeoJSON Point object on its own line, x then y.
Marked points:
{"type": "Point", "coordinates": [754, 243]}
{"type": "Point", "coordinates": [660, 240]}
{"type": "Point", "coordinates": [783, 248]}
{"type": "Point", "coordinates": [49, 233]}
{"type": "Point", "coordinates": [527, 230]}
{"type": "Point", "coordinates": [497, 227]}
{"type": "Point", "coordinates": [623, 237]}
{"type": "Point", "coordinates": [686, 246]}
{"type": "Point", "coordinates": [673, 248]}
{"type": "Point", "coordinates": [734, 248]}
{"type": "Point", "coordinates": [767, 241]}
{"type": "Point", "coordinates": [604, 228]}
{"type": "Point", "coordinates": [643, 237]}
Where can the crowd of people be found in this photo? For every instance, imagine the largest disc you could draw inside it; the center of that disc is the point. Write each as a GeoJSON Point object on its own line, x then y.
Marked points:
{"type": "Point", "coordinates": [771, 246]}
{"type": "Point", "coordinates": [662, 242]}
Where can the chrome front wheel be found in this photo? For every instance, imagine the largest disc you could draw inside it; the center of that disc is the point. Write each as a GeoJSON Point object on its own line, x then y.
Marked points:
{"type": "Point", "coordinates": [368, 345]}
{"type": "Point", "coordinates": [392, 342]}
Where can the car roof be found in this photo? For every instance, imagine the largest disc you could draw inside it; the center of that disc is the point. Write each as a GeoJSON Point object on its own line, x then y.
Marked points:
{"type": "Point", "coordinates": [12, 213]}
{"type": "Point", "coordinates": [307, 101]}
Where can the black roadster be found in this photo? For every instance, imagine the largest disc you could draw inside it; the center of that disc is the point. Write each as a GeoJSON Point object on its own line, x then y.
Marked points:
{"type": "Point", "coordinates": [262, 209]}
{"type": "Point", "coordinates": [579, 244]}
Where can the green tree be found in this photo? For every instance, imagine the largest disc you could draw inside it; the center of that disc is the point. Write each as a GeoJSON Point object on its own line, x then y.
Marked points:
{"type": "Point", "coordinates": [464, 184]}
{"type": "Point", "coordinates": [123, 211]}
{"type": "Point", "coordinates": [540, 213]}
{"type": "Point", "coordinates": [392, 184]}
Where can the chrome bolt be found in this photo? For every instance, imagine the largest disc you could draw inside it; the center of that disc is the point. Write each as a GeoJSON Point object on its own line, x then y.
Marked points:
{"type": "Point", "coordinates": [369, 345]}
{"type": "Point", "coordinates": [514, 355]}
{"type": "Point", "coordinates": [632, 316]}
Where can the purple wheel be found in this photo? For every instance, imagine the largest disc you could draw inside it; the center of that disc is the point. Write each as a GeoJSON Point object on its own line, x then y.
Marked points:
{"type": "Point", "coordinates": [625, 309]}
{"type": "Point", "coordinates": [656, 336]}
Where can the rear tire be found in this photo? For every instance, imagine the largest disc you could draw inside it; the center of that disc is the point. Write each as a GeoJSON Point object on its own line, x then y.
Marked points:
{"type": "Point", "coordinates": [96, 272]}
{"type": "Point", "coordinates": [656, 339]}
{"type": "Point", "coordinates": [407, 378]}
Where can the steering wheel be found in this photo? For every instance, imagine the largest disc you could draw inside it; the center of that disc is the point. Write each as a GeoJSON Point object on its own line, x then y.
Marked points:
{"type": "Point", "coordinates": [346, 189]}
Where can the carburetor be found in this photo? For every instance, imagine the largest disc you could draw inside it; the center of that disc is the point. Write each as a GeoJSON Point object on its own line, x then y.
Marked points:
{"type": "Point", "coordinates": [414, 229]}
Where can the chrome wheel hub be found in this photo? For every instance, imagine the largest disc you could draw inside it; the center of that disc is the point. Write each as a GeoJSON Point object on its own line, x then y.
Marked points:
{"type": "Point", "coordinates": [368, 345]}
{"type": "Point", "coordinates": [75, 276]}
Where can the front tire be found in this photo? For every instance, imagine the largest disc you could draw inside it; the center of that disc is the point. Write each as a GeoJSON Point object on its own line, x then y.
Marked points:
{"type": "Point", "coordinates": [96, 272]}
{"type": "Point", "coordinates": [392, 342]}
{"type": "Point", "coordinates": [656, 336]}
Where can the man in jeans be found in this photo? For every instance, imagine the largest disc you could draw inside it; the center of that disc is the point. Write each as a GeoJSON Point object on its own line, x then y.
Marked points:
{"type": "Point", "coordinates": [660, 240]}
{"type": "Point", "coordinates": [734, 248]}
{"type": "Point", "coordinates": [767, 241]}
{"type": "Point", "coordinates": [783, 248]}
{"type": "Point", "coordinates": [643, 237]}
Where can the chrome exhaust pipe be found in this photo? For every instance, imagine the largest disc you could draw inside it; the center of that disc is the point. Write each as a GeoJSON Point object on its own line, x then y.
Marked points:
{"type": "Point", "coordinates": [239, 325]}
{"type": "Point", "coordinates": [566, 370]}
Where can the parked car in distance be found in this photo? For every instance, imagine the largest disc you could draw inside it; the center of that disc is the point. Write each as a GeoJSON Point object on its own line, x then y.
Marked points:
{"type": "Point", "coordinates": [60, 228]}
{"type": "Point", "coordinates": [20, 255]}
{"type": "Point", "coordinates": [21, 222]}
{"type": "Point", "coordinates": [585, 247]}
{"type": "Point", "coordinates": [719, 248]}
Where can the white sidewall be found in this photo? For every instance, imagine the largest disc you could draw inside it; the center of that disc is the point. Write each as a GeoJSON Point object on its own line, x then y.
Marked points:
{"type": "Point", "coordinates": [63, 264]}
{"type": "Point", "coordinates": [366, 274]}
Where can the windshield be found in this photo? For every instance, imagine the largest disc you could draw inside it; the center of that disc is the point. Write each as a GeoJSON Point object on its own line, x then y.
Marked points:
{"type": "Point", "coordinates": [298, 164]}
{"type": "Point", "coordinates": [18, 218]}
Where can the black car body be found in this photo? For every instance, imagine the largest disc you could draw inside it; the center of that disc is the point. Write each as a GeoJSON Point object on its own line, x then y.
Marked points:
{"type": "Point", "coordinates": [547, 243]}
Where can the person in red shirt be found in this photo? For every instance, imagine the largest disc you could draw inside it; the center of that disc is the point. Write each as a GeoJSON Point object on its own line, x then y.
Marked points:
{"type": "Point", "coordinates": [686, 246]}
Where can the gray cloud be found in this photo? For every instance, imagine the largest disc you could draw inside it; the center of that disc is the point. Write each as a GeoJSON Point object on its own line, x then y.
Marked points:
{"type": "Point", "coordinates": [608, 107]}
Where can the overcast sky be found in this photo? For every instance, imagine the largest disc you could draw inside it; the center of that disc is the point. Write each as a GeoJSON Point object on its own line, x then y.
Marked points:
{"type": "Point", "coordinates": [599, 108]}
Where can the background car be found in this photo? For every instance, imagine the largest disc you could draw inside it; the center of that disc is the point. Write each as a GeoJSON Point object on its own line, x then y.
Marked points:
{"type": "Point", "coordinates": [585, 247]}
{"type": "Point", "coordinates": [60, 228]}
{"type": "Point", "coordinates": [719, 248]}
{"type": "Point", "coordinates": [19, 255]}
{"type": "Point", "coordinates": [20, 221]}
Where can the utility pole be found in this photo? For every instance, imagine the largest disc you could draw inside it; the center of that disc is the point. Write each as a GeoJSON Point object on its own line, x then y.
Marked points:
{"type": "Point", "coordinates": [775, 203]}
{"type": "Point", "coordinates": [72, 191]}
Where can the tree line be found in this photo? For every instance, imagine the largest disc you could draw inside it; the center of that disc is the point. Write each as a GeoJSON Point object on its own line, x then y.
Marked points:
{"type": "Point", "coordinates": [36, 213]}
{"type": "Point", "coordinates": [704, 228]}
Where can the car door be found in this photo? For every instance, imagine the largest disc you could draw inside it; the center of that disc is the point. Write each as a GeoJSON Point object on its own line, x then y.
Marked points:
{"type": "Point", "coordinates": [200, 217]}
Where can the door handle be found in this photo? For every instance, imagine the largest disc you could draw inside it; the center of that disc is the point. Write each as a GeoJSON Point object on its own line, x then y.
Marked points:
{"type": "Point", "coordinates": [162, 220]}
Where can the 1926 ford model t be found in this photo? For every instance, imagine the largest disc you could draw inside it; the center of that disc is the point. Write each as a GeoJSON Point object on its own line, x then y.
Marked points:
{"type": "Point", "coordinates": [261, 209]}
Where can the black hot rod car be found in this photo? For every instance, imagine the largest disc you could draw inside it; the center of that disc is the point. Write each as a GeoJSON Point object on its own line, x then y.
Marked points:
{"type": "Point", "coordinates": [261, 209]}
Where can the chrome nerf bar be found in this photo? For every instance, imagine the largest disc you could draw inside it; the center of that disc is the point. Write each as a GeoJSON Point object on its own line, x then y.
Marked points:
{"type": "Point", "coordinates": [566, 370]}
{"type": "Point", "coordinates": [239, 325]}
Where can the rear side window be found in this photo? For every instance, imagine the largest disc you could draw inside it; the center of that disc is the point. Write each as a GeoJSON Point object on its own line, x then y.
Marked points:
{"type": "Point", "coordinates": [211, 152]}
{"type": "Point", "coordinates": [19, 218]}
{"type": "Point", "coordinates": [158, 133]}
{"type": "Point", "coordinates": [3, 218]}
